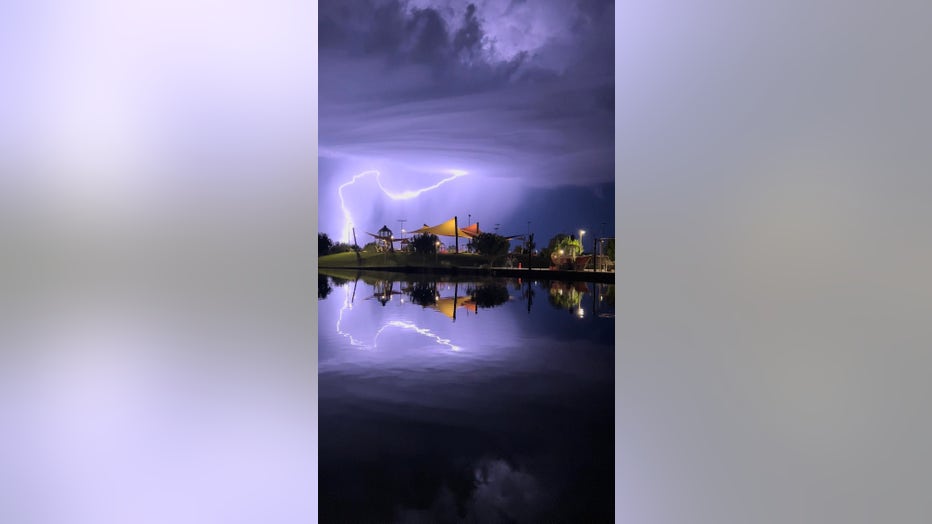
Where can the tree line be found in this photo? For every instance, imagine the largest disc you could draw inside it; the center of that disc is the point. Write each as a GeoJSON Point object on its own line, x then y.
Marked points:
{"type": "Point", "coordinates": [489, 245]}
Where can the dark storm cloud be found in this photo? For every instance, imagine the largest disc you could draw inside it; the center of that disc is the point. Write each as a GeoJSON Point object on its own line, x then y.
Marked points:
{"type": "Point", "coordinates": [519, 89]}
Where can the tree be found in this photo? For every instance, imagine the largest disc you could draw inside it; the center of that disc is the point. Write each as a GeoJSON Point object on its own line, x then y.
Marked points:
{"type": "Point", "coordinates": [491, 245]}
{"type": "Point", "coordinates": [567, 243]}
{"type": "Point", "coordinates": [610, 249]}
{"type": "Point", "coordinates": [341, 247]}
{"type": "Point", "coordinates": [425, 243]}
{"type": "Point", "coordinates": [324, 244]}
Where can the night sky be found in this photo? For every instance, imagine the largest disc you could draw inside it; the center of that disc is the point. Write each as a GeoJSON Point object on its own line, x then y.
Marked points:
{"type": "Point", "coordinates": [505, 106]}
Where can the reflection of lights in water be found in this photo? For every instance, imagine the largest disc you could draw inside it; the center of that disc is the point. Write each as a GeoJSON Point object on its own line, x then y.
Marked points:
{"type": "Point", "coordinates": [580, 312]}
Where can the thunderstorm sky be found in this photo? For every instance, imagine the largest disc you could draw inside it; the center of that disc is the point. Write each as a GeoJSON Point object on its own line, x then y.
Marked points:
{"type": "Point", "coordinates": [504, 107]}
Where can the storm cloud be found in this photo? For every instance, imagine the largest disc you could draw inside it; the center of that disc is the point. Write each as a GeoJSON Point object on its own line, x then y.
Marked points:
{"type": "Point", "coordinates": [518, 92]}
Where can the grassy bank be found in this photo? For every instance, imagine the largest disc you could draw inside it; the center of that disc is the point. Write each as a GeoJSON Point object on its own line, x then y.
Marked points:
{"type": "Point", "coordinates": [347, 267]}
{"type": "Point", "coordinates": [441, 260]}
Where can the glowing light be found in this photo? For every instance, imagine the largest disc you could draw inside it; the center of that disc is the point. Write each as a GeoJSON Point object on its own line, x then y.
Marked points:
{"type": "Point", "coordinates": [404, 195]}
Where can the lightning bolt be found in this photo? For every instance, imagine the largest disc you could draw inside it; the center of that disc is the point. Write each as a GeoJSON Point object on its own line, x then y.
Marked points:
{"type": "Point", "coordinates": [394, 323]}
{"type": "Point", "coordinates": [421, 331]}
{"type": "Point", "coordinates": [347, 306]}
{"type": "Point", "coordinates": [404, 195]}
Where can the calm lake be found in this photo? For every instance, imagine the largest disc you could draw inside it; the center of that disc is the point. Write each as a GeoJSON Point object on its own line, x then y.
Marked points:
{"type": "Point", "coordinates": [448, 399]}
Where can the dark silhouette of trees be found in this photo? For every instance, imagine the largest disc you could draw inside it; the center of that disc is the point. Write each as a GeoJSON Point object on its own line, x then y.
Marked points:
{"type": "Point", "coordinates": [423, 293]}
{"type": "Point", "coordinates": [324, 244]}
{"type": "Point", "coordinates": [425, 243]}
{"type": "Point", "coordinates": [341, 247]}
{"type": "Point", "coordinates": [489, 295]}
{"type": "Point", "coordinates": [490, 245]}
{"type": "Point", "coordinates": [323, 287]}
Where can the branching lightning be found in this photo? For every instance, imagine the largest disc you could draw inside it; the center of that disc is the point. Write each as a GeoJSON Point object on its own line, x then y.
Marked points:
{"type": "Point", "coordinates": [421, 331]}
{"type": "Point", "coordinates": [347, 305]}
{"type": "Point", "coordinates": [404, 195]}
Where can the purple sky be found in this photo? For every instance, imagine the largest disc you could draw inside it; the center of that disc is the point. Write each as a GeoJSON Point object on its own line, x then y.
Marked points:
{"type": "Point", "coordinates": [517, 94]}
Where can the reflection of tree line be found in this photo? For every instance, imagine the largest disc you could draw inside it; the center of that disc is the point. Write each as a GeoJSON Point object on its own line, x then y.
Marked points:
{"type": "Point", "coordinates": [571, 296]}
{"type": "Point", "coordinates": [566, 295]}
{"type": "Point", "coordinates": [425, 292]}
{"type": "Point", "coordinates": [485, 295]}
{"type": "Point", "coordinates": [323, 286]}
{"type": "Point", "coordinates": [326, 283]}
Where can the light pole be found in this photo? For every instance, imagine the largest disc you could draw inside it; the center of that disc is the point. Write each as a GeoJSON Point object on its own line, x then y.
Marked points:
{"type": "Point", "coordinates": [601, 256]}
{"type": "Point", "coordinates": [437, 252]}
{"type": "Point", "coordinates": [581, 245]}
{"type": "Point", "coordinates": [527, 245]}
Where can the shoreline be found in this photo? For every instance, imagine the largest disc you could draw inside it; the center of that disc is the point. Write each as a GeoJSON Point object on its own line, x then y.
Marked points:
{"type": "Point", "coordinates": [601, 277]}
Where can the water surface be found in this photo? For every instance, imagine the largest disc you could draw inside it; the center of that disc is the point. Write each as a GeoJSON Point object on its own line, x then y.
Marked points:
{"type": "Point", "coordinates": [465, 400]}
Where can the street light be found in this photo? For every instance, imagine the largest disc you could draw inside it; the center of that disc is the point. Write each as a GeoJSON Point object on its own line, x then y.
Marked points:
{"type": "Point", "coordinates": [581, 233]}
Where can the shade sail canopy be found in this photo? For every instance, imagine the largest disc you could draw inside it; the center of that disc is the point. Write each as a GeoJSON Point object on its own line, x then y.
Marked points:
{"type": "Point", "coordinates": [448, 229]}
{"type": "Point", "coordinates": [448, 305]}
{"type": "Point", "coordinates": [470, 231]}
{"type": "Point", "coordinates": [393, 239]}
